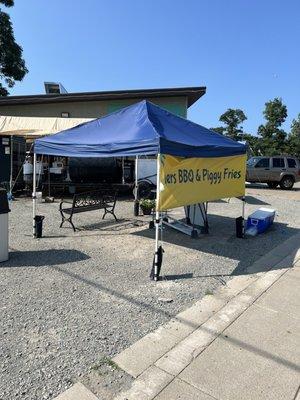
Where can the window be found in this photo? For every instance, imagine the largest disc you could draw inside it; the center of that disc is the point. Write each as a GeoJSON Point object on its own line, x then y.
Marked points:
{"type": "Point", "coordinates": [278, 162]}
{"type": "Point", "coordinates": [263, 163]}
{"type": "Point", "coordinates": [252, 161]}
{"type": "Point", "coordinates": [291, 163]}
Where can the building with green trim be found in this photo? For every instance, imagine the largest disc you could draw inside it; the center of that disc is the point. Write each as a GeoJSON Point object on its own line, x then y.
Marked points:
{"type": "Point", "coordinates": [98, 104]}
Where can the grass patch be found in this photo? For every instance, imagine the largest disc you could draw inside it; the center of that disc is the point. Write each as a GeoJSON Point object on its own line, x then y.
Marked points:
{"type": "Point", "coordinates": [103, 363]}
{"type": "Point", "coordinates": [208, 292]}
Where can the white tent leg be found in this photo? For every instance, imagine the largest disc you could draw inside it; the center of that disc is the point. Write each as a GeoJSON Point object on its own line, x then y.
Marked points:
{"type": "Point", "coordinates": [136, 178]}
{"type": "Point", "coordinates": [123, 171]}
{"type": "Point", "coordinates": [243, 213]}
{"type": "Point", "coordinates": [34, 195]}
{"type": "Point", "coordinates": [136, 200]}
{"type": "Point", "coordinates": [11, 164]}
{"type": "Point", "coordinates": [157, 220]}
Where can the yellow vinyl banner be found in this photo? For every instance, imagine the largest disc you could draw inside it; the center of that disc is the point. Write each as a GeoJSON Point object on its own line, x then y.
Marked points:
{"type": "Point", "coordinates": [185, 181]}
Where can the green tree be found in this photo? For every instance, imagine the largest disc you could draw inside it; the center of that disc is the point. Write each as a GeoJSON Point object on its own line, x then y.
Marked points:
{"type": "Point", "coordinates": [12, 65]}
{"type": "Point", "coordinates": [254, 143]}
{"type": "Point", "coordinates": [273, 138]}
{"type": "Point", "coordinates": [232, 119]}
{"type": "Point", "coordinates": [218, 129]}
{"type": "Point", "coordinates": [294, 138]}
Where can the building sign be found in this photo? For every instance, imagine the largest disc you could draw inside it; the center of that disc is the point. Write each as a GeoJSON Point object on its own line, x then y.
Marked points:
{"type": "Point", "coordinates": [185, 181]}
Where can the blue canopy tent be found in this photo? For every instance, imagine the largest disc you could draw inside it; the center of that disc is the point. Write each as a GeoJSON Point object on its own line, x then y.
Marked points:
{"type": "Point", "coordinates": [140, 129]}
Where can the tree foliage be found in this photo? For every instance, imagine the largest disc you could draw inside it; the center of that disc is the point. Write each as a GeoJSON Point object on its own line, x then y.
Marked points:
{"type": "Point", "coordinates": [273, 138]}
{"type": "Point", "coordinates": [253, 142]}
{"type": "Point", "coordinates": [218, 129]}
{"type": "Point", "coordinates": [294, 138]}
{"type": "Point", "coordinates": [7, 3]}
{"type": "Point", "coordinates": [275, 112]}
{"type": "Point", "coordinates": [232, 119]}
{"type": "Point", "coordinates": [12, 65]}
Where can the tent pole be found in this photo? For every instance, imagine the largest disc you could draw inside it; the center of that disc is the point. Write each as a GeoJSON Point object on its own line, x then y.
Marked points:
{"type": "Point", "coordinates": [123, 171]}
{"type": "Point", "coordinates": [136, 177]}
{"type": "Point", "coordinates": [34, 195]}
{"type": "Point", "coordinates": [157, 220]}
{"type": "Point", "coordinates": [49, 184]}
{"type": "Point", "coordinates": [136, 200]}
{"type": "Point", "coordinates": [243, 213]}
{"type": "Point", "coordinates": [11, 164]}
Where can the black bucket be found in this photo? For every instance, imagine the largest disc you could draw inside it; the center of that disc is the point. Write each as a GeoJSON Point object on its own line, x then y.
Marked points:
{"type": "Point", "coordinates": [38, 226]}
{"type": "Point", "coordinates": [136, 208]}
{"type": "Point", "coordinates": [239, 227]}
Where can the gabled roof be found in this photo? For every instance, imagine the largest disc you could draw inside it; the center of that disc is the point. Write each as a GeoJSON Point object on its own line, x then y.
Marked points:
{"type": "Point", "coordinates": [192, 94]}
{"type": "Point", "coordinates": [140, 129]}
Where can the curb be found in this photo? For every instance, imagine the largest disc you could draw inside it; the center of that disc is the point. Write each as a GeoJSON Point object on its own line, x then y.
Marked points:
{"type": "Point", "coordinates": [77, 392]}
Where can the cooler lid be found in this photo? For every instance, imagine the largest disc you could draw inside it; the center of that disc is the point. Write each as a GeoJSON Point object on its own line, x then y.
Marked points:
{"type": "Point", "coordinates": [262, 213]}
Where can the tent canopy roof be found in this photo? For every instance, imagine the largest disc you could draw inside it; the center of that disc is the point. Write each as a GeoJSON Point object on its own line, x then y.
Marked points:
{"type": "Point", "coordinates": [140, 129]}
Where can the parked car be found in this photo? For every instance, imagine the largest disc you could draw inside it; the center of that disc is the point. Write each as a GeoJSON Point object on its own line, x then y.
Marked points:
{"type": "Point", "coordinates": [277, 170]}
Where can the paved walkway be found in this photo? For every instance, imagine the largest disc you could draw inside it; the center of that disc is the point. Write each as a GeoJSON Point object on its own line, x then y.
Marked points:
{"type": "Point", "coordinates": [240, 343]}
{"type": "Point", "coordinates": [256, 357]}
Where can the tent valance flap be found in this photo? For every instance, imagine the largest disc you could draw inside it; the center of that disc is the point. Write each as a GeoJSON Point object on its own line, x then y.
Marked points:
{"type": "Point", "coordinates": [185, 181]}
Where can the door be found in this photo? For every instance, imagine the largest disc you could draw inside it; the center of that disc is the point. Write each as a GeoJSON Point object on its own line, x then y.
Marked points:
{"type": "Point", "coordinates": [292, 167]}
{"type": "Point", "coordinates": [278, 167]}
{"type": "Point", "coordinates": [261, 170]}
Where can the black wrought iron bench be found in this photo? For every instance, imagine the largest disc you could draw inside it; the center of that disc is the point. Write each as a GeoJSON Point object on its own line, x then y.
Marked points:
{"type": "Point", "coordinates": [88, 201]}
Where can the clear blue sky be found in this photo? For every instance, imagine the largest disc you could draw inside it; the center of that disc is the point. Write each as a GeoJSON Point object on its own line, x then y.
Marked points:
{"type": "Point", "coordinates": [245, 51]}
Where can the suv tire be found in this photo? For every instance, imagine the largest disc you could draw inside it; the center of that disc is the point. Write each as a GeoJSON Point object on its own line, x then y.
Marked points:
{"type": "Point", "coordinates": [272, 185]}
{"type": "Point", "coordinates": [287, 182]}
{"type": "Point", "coordinates": [144, 190]}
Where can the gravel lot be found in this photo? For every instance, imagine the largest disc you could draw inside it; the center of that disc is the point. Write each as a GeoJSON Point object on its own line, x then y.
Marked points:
{"type": "Point", "coordinates": [67, 300]}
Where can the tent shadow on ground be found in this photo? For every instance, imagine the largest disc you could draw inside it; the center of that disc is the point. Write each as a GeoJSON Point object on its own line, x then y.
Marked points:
{"type": "Point", "coordinates": [43, 258]}
{"type": "Point", "coordinates": [154, 309]}
{"type": "Point", "coordinates": [255, 201]}
{"type": "Point", "coordinates": [112, 225]}
{"type": "Point", "coordinates": [220, 242]}
{"type": "Point", "coordinates": [249, 199]}
{"type": "Point", "coordinates": [107, 228]}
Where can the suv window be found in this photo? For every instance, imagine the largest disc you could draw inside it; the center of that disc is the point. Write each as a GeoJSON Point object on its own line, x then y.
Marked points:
{"type": "Point", "coordinates": [278, 162]}
{"type": "Point", "coordinates": [263, 163]}
{"type": "Point", "coordinates": [291, 162]}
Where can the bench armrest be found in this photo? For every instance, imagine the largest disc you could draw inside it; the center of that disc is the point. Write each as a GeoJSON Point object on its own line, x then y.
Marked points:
{"type": "Point", "coordinates": [65, 201]}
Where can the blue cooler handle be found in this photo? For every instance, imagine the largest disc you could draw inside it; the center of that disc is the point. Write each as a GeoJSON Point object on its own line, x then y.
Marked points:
{"type": "Point", "coordinates": [254, 222]}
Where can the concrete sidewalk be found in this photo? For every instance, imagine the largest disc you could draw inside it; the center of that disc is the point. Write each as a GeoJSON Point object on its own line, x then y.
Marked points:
{"type": "Point", "coordinates": [256, 357]}
{"type": "Point", "coordinates": [242, 343]}
{"type": "Point", "coordinates": [246, 344]}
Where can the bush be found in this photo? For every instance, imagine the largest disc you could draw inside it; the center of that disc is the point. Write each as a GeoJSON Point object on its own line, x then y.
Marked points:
{"type": "Point", "coordinates": [147, 204]}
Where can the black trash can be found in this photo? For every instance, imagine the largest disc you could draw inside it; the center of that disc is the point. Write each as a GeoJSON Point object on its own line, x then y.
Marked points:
{"type": "Point", "coordinates": [239, 227]}
{"type": "Point", "coordinates": [38, 226]}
